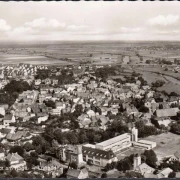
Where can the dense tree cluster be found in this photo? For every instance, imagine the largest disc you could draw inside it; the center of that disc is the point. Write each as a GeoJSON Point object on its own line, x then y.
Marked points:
{"type": "Point", "coordinates": [17, 86]}
{"type": "Point", "coordinates": [12, 90]}
{"type": "Point", "coordinates": [42, 74]}
{"type": "Point", "coordinates": [150, 158]}
{"type": "Point", "coordinates": [122, 165]}
{"type": "Point", "coordinates": [50, 103]}
{"type": "Point", "coordinates": [158, 83]}
{"type": "Point", "coordinates": [105, 72]}
{"type": "Point", "coordinates": [17, 149]}
{"type": "Point", "coordinates": [164, 61]}
{"type": "Point", "coordinates": [82, 136]}
{"type": "Point", "coordinates": [175, 128]}
{"type": "Point", "coordinates": [145, 130]}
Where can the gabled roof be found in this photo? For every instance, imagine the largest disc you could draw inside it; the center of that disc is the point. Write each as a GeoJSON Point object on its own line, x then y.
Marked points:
{"type": "Point", "coordinates": [8, 117]}
{"type": "Point", "coordinates": [98, 153]}
{"type": "Point", "coordinates": [76, 172]}
{"type": "Point", "coordinates": [167, 112]}
{"type": "Point", "coordinates": [144, 168]}
{"type": "Point", "coordinates": [5, 130]}
{"type": "Point", "coordinates": [14, 157]}
{"type": "Point", "coordinates": [165, 172]}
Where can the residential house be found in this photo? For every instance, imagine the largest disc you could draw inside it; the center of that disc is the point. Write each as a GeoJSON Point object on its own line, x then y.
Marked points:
{"type": "Point", "coordinates": [174, 157]}
{"type": "Point", "coordinates": [17, 136]}
{"type": "Point", "coordinates": [77, 173]}
{"type": "Point", "coordinates": [167, 112]}
{"type": "Point", "coordinates": [144, 169]}
{"type": "Point", "coordinates": [141, 168]}
{"type": "Point", "coordinates": [8, 118]}
{"type": "Point", "coordinates": [158, 121]}
{"type": "Point", "coordinates": [42, 117]}
{"type": "Point", "coordinates": [2, 154]}
{"type": "Point", "coordinates": [91, 113]}
{"type": "Point", "coordinates": [15, 160]}
{"type": "Point", "coordinates": [164, 173]}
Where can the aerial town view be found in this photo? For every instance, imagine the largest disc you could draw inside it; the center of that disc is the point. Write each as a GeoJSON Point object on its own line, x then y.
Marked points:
{"type": "Point", "coordinates": [87, 91]}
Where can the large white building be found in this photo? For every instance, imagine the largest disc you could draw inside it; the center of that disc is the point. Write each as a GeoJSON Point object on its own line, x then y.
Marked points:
{"type": "Point", "coordinates": [116, 144]}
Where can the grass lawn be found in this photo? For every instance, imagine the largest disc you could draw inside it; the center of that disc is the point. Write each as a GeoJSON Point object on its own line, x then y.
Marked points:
{"type": "Point", "coordinates": [170, 87]}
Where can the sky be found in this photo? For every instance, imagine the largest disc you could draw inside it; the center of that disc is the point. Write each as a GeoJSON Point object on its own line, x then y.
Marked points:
{"type": "Point", "coordinates": [82, 21]}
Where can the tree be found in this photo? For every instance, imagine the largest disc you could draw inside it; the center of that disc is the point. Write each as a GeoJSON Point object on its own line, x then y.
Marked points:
{"type": "Point", "coordinates": [104, 175]}
{"type": "Point", "coordinates": [175, 128]}
{"type": "Point", "coordinates": [173, 94]}
{"type": "Point", "coordinates": [50, 103]}
{"type": "Point", "coordinates": [83, 138]}
{"type": "Point", "coordinates": [148, 61]}
{"type": "Point", "coordinates": [144, 109]}
{"type": "Point", "coordinates": [38, 149]}
{"type": "Point", "coordinates": [124, 165]}
{"type": "Point", "coordinates": [72, 138]}
{"type": "Point", "coordinates": [17, 149]}
{"type": "Point", "coordinates": [17, 86]}
{"type": "Point", "coordinates": [158, 83]}
{"type": "Point", "coordinates": [172, 175]}
{"type": "Point", "coordinates": [28, 146]}
{"type": "Point", "coordinates": [73, 165]}
{"type": "Point", "coordinates": [151, 157]}
{"type": "Point", "coordinates": [34, 155]}
{"type": "Point", "coordinates": [14, 173]}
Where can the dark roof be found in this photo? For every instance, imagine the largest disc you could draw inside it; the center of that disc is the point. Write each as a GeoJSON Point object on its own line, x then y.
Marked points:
{"type": "Point", "coordinates": [98, 153]}
{"type": "Point", "coordinates": [8, 117]}
{"type": "Point", "coordinates": [5, 131]}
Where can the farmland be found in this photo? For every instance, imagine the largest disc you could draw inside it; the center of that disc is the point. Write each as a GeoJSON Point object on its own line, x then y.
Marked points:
{"type": "Point", "coordinates": [171, 79]}
{"type": "Point", "coordinates": [102, 52]}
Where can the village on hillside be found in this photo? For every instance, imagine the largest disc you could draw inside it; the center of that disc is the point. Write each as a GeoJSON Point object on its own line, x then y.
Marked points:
{"type": "Point", "coordinates": [86, 121]}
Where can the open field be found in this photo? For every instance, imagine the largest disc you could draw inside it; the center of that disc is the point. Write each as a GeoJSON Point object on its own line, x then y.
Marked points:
{"type": "Point", "coordinates": [29, 59]}
{"type": "Point", "coordinates": [167, 144]}
{"type": "Point", "coordinates": [170, 87]}
{"type": "Point", "coordinates": [152, 77]}
{"type": "Point", "coordinates": [151, 74]}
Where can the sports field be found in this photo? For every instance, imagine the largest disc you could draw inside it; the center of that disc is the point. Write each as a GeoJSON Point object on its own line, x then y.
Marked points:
{"type": "Point", "coordinates": [167, 144]}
